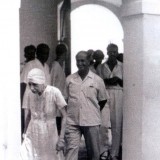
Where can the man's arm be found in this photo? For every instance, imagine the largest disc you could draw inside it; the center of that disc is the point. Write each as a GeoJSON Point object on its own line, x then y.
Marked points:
{"type": "Point", "coordinates": [102, 104]}
{"type": "Point", "coordinates": [111, 81]}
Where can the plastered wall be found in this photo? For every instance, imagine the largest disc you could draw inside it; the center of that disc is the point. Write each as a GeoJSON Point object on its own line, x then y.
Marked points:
{"type": "Point", "coordinates": [38, 24]}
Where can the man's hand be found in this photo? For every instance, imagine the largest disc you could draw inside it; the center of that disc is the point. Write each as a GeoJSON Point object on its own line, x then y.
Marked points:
{"type": "Point", "coordinates": [115, 80]}
{"type": "Point", "coordinates": [111, 81]}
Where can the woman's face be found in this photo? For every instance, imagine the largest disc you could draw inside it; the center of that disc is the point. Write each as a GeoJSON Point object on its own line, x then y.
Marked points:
{"type": "Point", "coordinates": [36, 88]}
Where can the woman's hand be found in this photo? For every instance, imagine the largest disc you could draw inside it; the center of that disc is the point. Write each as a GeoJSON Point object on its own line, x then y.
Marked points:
{"type": "Point", "coordinates": [60, 145]}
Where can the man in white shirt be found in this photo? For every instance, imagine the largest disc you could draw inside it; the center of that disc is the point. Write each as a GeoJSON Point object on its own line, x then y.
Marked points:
{"type": "Point", "coordinates": [111, 72]}
{"type": "Point", "coordinates": [86, 95]}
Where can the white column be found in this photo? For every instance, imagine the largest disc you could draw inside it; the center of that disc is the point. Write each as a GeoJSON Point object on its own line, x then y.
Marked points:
{"type": "Point", "coordinates": [141, 127]}
{"type": "Point", "coordinates": [9, 80]}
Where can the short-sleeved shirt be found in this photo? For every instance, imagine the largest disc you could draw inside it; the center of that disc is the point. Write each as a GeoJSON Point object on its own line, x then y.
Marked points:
{"type": "Point", "coordinates": [35, 64]}
{"type": "Point", "coordinates": [83, 97]}
{"type": "Point", "coordinates": [22, 64]}
{"type": "Point", "coordinates": [46, 104]}
{"type": "Point", "coordinates": [104, 72]}
{"type": "Point", "coordinates": [58, 77]}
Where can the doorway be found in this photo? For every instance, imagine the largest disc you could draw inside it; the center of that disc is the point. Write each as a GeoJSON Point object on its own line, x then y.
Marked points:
{"type": "Point", "coordinates": [94, 27]}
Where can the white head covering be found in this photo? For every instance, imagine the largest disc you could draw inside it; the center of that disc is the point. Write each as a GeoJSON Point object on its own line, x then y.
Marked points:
{"type": "Point", "coordinates": [36, 76]}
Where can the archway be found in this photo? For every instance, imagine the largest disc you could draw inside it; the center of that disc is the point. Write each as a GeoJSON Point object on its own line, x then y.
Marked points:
{"type": "Point", "coordinates": [94, 27]}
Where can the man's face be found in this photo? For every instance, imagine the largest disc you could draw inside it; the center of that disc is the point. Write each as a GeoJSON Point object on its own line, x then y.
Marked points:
{"type": "Point", "coordinates": [36, 88]}
{"type": "Point", "coordinates": [112, 52]}
{"type": "Point", "coordinates": [62, 57]}
{"type": "Point", "coordinates": [82, 61]}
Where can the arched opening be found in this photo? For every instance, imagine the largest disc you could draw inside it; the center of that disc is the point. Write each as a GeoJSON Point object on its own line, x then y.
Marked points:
{"type": "Point", "coordinates": [94, 27]}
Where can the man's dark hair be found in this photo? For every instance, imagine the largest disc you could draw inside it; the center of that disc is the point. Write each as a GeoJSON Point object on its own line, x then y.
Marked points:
{"type": "Point", "coordinates": [120, 57]}
{"type": "Point", "coordinates": [30, 47]}
{"type": "Point", "coordinates": [61, 49]}
{"type": "Point", "coordinates": [42, 52]}
{"type": "Point", "coordinates": [41, 47]}
{"type": "Point", "coordinates": [112, 45]}
{"type": "Point", "coordinates": [29, 52]}
{"type": "Point", "coordinates": [98, 54]}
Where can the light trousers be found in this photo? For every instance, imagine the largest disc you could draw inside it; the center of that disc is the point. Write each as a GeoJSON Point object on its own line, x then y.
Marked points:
{"type": "Point", "coordinates": [73, 137]}
{"type": "Point", "coordinates": [116, 107]}
{"type": "Point", "coordinates": [105, 130]}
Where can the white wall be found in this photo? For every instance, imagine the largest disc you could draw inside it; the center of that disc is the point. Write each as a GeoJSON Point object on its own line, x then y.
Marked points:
{"type": "Point", "coordinates": [141, 133]}
{"type": "Point", "coordinates": [38, 24]}
{"type": "Point", "coordinates": [9, 82]}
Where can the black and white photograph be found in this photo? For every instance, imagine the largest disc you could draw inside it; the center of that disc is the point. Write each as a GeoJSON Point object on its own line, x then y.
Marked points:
{"type": "Point", "coordinates": [80, 80]}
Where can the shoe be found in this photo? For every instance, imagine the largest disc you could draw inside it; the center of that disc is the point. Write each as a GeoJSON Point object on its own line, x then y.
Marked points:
{"type": "Point", "coordinates": [104, 155]}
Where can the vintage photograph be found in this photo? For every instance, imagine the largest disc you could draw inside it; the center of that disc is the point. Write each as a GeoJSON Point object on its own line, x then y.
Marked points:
{"type": "Point", "coordinates": [82, 80]}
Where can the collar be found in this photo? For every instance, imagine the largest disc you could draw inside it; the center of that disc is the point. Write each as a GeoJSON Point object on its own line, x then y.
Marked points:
{"type": "Point", "coordinates": [89, 75]}
{"type": "Point", "coordinates": [118, 63]}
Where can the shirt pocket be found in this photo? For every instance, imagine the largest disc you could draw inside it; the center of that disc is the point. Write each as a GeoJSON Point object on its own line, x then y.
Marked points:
{"type": "Point", "coordinates": [90, 91]}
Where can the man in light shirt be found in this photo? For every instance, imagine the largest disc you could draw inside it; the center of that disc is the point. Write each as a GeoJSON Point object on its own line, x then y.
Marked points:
{"type": "Point", "coordinates": [111, 72]}
{"type": "Point", "coordinates": [86, 96]}
{"type": "Point", "coordinates": [58, 77]}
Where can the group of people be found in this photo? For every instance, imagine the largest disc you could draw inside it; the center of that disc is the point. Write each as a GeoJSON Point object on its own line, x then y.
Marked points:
{"type": "Point", "coordinates": [59, 110]}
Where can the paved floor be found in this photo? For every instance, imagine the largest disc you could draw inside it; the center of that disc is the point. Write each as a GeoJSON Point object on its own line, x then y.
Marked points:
{"type": "Point", "coordinates": [83, 154]}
